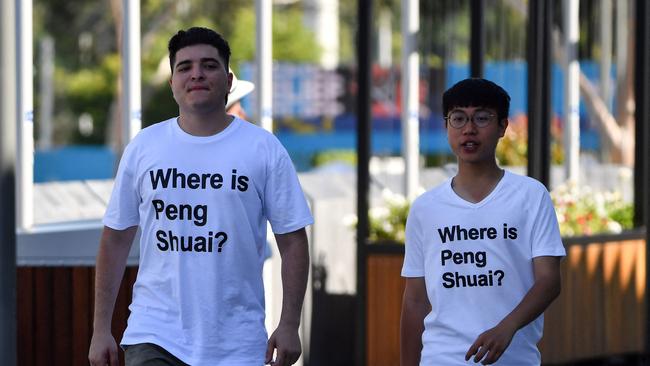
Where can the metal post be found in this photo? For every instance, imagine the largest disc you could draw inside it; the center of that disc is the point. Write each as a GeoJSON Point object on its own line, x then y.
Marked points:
{"type": "Point", "coordinates": [410, 96]}
{"type": "Point", "coordinates": [132, 105]}
{"type": "Point", "coordinates": [8, 112]}
{"type": "Point", "coordinates": [606, 46]}
{"type": "Point", "coordinates": [46, 81]}
{"type": "Point", "coordinates": [539, 93]}
{"type": "Point", "coordinates": [642, 144]}
{"type": "Point", "coordinates": [264, 61]}
{"type": "Point", "coordinates": [364, 128]}
{"type": "Point", "coordinates": [572, 90]}
{"type": "Point", "coordinates": [25, 118]}
{"type": "Point", "coordinates": [477, 40]}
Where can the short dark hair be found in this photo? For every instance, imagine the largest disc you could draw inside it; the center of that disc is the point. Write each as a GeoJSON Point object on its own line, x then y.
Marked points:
{"type": "Point", "coordinates": [198, 35]}
{"type": "Point", "coordinates": [476, 92]}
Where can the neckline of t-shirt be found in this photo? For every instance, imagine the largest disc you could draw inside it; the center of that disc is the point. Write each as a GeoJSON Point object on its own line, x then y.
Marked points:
{"type": "Point", "coordinates": [178, 131]}
{"type": "Point", "coordinates": [486, 199]}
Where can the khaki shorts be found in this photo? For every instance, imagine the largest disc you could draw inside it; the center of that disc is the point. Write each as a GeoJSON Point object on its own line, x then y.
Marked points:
{"type": "Point", "coordinates": [149, 354]}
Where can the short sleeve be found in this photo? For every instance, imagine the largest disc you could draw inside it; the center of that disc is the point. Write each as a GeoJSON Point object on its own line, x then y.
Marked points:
{"type": "Point", "coordinates": [546, 239]}
{"type": "Point", "coordinates": [413, 252]}
{"type": "Point", "coordinates": [285, 205]}
{"type": "Point", "coordinates": [122, 211]}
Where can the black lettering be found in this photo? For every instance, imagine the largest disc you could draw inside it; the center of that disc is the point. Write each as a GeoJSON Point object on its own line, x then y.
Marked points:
{"type": "Point", "coordinates": [159, 178]}
{"type": "Point", "coordinates": [171, 211]}
{"type": "Point", "coordinates": [158, 206]}
{"type": "Point", "coordinates": [460, 231]}
{"type": "Point", "coordinates": [186, 244]}
{"type": "Point", "coordinates": [204, 180]}
{"type": "Point", "coordinates": [194, 181]}
{"type": "Point", "coordinates": [446, 234]}
{"type": "Point", "coordinates": [178, 180]}
{"type": "Point", "coordinates": [200, 215]}
{"type": "Point", "coordinates": [163, 245]}
{"type": "Point", "coordinates": [492, 233]}
{"type": "Point", "coordinates": [243, 183]}
{"type": "Point", "coordinates": [448, 280]}
{"type": "Point", "coordinates": [173, 239]}
{"type": "Point", "coordinates": [199, 244]}
{"type": "Point", "coordinates": [185, 211]}
{"type": "Point", "coordinates": [482, 280]}
{"type": "Point", "coordinates": [234, 179]}
{"type": "Point", "coordinates": [216, 180]}
{"type": "Point", "coordinates": [512, 233]}
{"type": "Point", "coordinates": [460, 279]}
{"type": "Point", "coordinates": [471, 279]}
{"type": "Point", "coordinates": [224, 237]}
{"type": "Point", "coordinates": [445, 255]}
{"type": "Point", "coordinates": [480, 259]}
{"type": "Point", "coordinates": [473, 234]}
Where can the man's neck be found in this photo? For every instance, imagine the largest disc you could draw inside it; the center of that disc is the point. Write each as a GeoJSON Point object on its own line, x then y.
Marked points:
{"type": "Point", "coordinates": [204, 124]}
{"type": "Point", "coordinates": [474, 182]}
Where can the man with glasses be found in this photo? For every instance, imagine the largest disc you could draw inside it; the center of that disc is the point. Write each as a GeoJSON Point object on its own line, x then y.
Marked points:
{"type": "Point", "coordinates": [483, 249]}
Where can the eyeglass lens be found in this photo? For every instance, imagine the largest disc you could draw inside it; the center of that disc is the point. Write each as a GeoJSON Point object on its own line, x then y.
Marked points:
{"type": "Point", "coordinates": [458, 119]}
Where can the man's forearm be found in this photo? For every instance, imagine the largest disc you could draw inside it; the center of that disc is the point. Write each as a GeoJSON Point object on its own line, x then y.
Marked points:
{"type": "Point", "coordinates": [111, 260]}
{"type": "Point", "coordinates": [411, 329]}
{"type": "Point", "coordinates": [538, 298]}
{"type": "Point", "coordinates": [415, 307]}
{"type": "Point", "coordinates": [545, 289]}
{"type": "Point", "coordinates": [295, 271]}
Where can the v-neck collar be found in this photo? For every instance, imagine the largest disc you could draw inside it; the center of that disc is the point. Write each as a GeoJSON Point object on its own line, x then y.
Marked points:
{"type": "Point", "coordinates": [485, 199]}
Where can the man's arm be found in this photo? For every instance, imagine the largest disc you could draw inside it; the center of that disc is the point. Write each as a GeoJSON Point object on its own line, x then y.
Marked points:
{"type": "Point", "coordinates": [415, 307]}
{"type": "Point", "coordinates": [114, 248]}
{"type": "Point", "coordinates": [492, 343]}
{"type": "Point", "coordinates": [294, 252]}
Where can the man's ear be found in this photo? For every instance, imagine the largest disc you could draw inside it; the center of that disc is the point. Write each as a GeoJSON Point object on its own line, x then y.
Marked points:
{"type": "Point", "coordinates": [230, 78]}
{"type": "Point", "coordinates": [503, 125]}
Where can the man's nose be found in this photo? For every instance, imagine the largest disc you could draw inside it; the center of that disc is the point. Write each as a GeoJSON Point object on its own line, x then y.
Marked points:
{"type": "Point", "coordinates": [197, 73]}
{"type": "Point", "coordinates": [470, 127]}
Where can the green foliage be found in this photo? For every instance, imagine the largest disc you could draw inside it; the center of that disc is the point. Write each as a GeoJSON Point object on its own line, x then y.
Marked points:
{"type": "Point", "coordinates": [512, 149]}
{"type": "Point", "coordinates": [88, 90]}
{"type": "Point", "coordinates": [436, 160]}
{"type": "Point", "coordinates": [582, 211]}
{"type": "Point", "coordinates": [335, 155]}
{"type": "Point", "coordinates": [292, 41]}
{"type": "Point", "coordinates": [389, 222]}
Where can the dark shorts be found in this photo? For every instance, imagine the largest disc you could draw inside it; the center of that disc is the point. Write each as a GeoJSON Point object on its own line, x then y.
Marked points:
{"type": "Point", "coordinates": [149, 354]}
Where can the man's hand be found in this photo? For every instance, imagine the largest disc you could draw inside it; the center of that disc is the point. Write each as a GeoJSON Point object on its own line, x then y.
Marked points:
{"type": "Point", "coordinates": [103, 350]}
{"type": "Point", "coordinates": [286, 341]}
{"type": "Point", "coordinates": [490, 345]}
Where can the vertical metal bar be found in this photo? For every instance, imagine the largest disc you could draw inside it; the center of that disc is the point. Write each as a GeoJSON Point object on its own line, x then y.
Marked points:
{"type": "Point", "coordinates": [477, 40]}
{"type": "Point", "coordinates": [264, 61]}
{"type": "Point", "coordinates": [46, 82]}
{"type": "Point", "coordinates": [364, 128]}
{"type": "Point", "coordinates": [606, 46]}
{"type": "Point", "coordinates": [410, 96]}
{"type": "Point", "coordinates": [25, 111]}
{"type": "Point", "coordinates": [642, 143]}
{"type": "Point", "coordinates": [539, 81]}
{"type": "Point", "coordinates": [132, 105]}
{"type": "Point", "coordinates": [8, 113]}
{"type": "Point", "coordinates": [572, 91]}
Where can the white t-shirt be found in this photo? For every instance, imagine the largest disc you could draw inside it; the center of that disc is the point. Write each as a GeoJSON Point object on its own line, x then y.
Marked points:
{"type": "Point", "coordinates": [476, 259]}
{"type": "Point", "coordinates": [202, 204]}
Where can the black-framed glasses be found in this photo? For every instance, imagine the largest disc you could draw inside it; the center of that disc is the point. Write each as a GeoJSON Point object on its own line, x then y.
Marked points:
{"type": "Point", "coordinates": [458, 119]}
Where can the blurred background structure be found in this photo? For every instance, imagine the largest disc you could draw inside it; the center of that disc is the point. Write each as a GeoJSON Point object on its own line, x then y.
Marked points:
{"type": "Point", "coordinates": [352, 89]}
